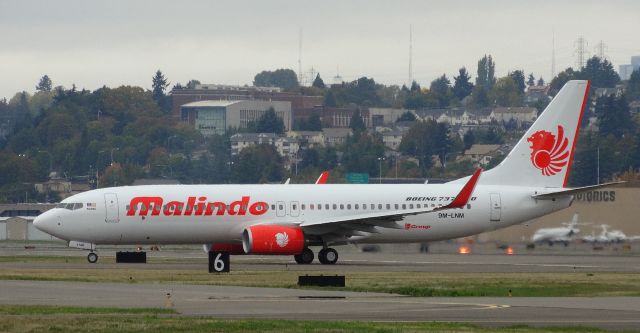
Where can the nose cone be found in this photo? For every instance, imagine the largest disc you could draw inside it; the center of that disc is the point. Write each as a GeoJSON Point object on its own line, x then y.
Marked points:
{"type": "Point", "coordinates": [44, 222]}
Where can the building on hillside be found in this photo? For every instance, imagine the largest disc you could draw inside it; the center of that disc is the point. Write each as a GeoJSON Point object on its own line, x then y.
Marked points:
{"type": "Point", "coordinates": [307, 138]}
{"type": "Point", "coordinates": [333, 116]}
{"type": "Point", "coordinates": [523, 116]}
{"type": "Point", "coordinates": [392, 135]}
{"type": "Point", "coordinates": [480, 154]}
{"type": "Point", "coordinates": [634, 106]}
{"type": "Point", "coordinates": [207, 92]}
{"type": "Point", "coordinates": [216, 116]}
{"type": "Point", "coordinates": [386, 116]}
{"type": "Point", "coordinates": [626, 69]}
{"type": "Point", "coordinates": [536, 94]}
{"type": "Point", "coordinates": [285, 146]}
{"type": "Point", "coordinates": [335, 136]}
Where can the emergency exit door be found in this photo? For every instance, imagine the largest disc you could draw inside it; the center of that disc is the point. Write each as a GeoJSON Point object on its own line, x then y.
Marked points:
{"type": "Point", "coordinates": [112, 210]}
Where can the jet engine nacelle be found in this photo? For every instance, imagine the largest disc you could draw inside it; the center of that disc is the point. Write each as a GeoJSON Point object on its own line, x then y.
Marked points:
{"type": "Point", "coordinates": [273, 239]}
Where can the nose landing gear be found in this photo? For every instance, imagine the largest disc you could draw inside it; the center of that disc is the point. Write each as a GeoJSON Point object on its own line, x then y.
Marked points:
{"type": "Point", "coordinates": [92, 257]}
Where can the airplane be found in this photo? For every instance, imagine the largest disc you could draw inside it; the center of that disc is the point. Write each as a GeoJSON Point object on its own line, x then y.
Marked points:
{"type": "Point", "coordinates": [607, 237]}
{"type": "Point", "coordinates": [279, 219]}
{"type": "Point", "coordinates": [564, 234]}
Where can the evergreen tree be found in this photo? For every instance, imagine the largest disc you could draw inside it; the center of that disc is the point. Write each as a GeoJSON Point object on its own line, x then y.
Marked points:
{"type": "Point", "coordinates": [613, 115]}
{"type": "Point", "coordinates": [518, 79]}
{"type": "Point", "coordinates": [314, 123]}
{"type": "Point", "coordinates": [633, 87]}
{"type": "Point", "coordinates": [531, 81]}
{"type": "Point", "coordinates": [45, 84]}
{"type": "Point", "coordinates": [159, 85]}
{"type": "Point", "coordinates": [317, 82]}
{"type": "Point", "coordinates": [486, 72]}
{"type": "Point", "coordinates": [541, 82]}
{"type": "Point", "coordinates": [600, 72]}
{"type": "Point", "coordinates": [282, 78]}
{"type": "Point", "coordinates": [356, 123]}
{"type": "Point", "coordinates": [441, 90]}
{"type": "Point", "coordinates": [192, 84]}
{"type": "Point", "coordinates": [462, 87]}
{"type": "Point", "coordinates": [269, 122]}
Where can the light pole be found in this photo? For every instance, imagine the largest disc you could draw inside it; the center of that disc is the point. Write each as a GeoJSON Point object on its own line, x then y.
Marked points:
{"type": "Point", "coordinates": [380, 159]}
{"type": "Point", "coordinates": [112, 149]}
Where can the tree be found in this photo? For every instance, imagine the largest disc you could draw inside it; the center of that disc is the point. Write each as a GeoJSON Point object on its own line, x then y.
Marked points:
{"type": "Point", "coordinates": [314, 123]}
{"type": "Point", "coordinates": [159, 85]}
{"type": "Point", "coordinates": [486, 72]}
{"type": "Point", "coordinates": [540, 82]}
{"type": "Point", "coordinates": [269, 122]}
{"type": "Point", "coordinates": [462, 86]}
{"type": "Point", "coordinates": [318, 83]}
{"type": "Point", "coordinates": [600, 72]}
{"type": "Point", "coordinates": [531, 81]}
{"type": "Point", "coordinates": [258, 164]}
{"type": "Point", "coordinates": [45, 84]}
{"type": "Point", "coordinates": [518, 78]}
{"type": "Point", "coordinates": [479, 97]}
{"type": "Point", "coordinates": [506, 92]}
{"type": "Point", "coordinates": [356, 123]}
{"type": "Point", "coordinates": [468, 139]}
{"type": "Point", "coordinates": [192, 84]}
{"type": "Point", "coordinates": [633, 86]}
{"type": "Point", "coordinates": [282, 78]}
{"type": "Point", "coordinates": [361, 152]}
{"type": "Point", "coordinates": [407, 116]}
{"type": "Point", "coordinates": [613, 115]}
{"type": "Point", "coordinates": [425, 139]}
{"type": "Point", "coordinates": [440, 89]}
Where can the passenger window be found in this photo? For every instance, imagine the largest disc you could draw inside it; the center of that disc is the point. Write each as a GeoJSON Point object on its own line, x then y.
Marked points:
{"type": "Point", "coordinates": [410, 206]}
{"type": "Point", "coordinates": [348, 206]}
{"type": "Point", "coordinates": [397, 206]}
{"type": "Point", "coordinates": [356, 206]}
{"type": "Point", "coordinates": [404, 206]}
{"type": "Point", "coordinates": [341, 206]}
{"type": "Point", "coordinates": [379, 206]}
{"type": "Point", "coordinates": [294, 207]}
{"type": "Point", "coordinates": [319, 206]}
{"type": "Point", "coordinates": [281, 207]}
{"type": "Point", "coordinates": [302, 206]}
{"type": "Point", "coordinates": [273, 207]}
{"type": "Point", "coordinates": [468, 206]}
{"type": "Point", "coordinates": [335, 206]}
{"type": "Point", "coordinates": [388, 206]}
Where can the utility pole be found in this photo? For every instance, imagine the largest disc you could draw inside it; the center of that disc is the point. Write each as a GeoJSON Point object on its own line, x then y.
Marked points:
{"type": "Point", "coordinates": [300, 76]}
{"type": "Point", "coordinates": [600, 50]}
{"type": "Point", "coordinates": [553, 55]}
{"type": "Point", "coordinates": [410, 56]}
{"type": "Point", "coordinates": [580, 51]}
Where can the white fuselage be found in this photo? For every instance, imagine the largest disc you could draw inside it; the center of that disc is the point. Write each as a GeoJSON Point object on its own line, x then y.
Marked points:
{"type": "Point", "coordinates": [103, 216]}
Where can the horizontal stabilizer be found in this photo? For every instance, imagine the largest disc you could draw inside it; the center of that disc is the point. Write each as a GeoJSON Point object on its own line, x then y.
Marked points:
{"type": "Point", "coordinates": [572, 191]}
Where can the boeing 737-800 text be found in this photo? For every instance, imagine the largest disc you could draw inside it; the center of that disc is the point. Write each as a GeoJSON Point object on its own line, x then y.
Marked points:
{"type": "Point", "coordinates": [287, 219]}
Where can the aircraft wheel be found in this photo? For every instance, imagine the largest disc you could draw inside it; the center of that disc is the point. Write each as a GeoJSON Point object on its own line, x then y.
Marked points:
{"type": "Point", "coordinates": [92, 257]}
{"type": "Point", "coordinates": [328, 256]}
{"type": "Point", "coordinates": [304, 258]}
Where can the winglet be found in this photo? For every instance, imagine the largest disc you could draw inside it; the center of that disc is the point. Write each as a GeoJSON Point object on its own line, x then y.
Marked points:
{"type": "Point", "coordinates": [465, 194]}
{"type": "Point", "coordinates": [323, 177]}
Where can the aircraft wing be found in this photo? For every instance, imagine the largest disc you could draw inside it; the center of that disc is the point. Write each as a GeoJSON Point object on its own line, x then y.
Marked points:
{"type": "Point", "coordinates": [572, 191]}
{"type": "Point", "coordinates": [387, 219]}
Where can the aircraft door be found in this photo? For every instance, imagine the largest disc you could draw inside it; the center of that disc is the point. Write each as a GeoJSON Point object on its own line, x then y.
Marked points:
{"type": "Point", "coordinates": [496, 207]}
{"type": "Point", "coordinates": [112, 210]}
{"type": "Point", "coordinates": [281, 209]}
{"type": "Point", "coordinates": [294, 208]}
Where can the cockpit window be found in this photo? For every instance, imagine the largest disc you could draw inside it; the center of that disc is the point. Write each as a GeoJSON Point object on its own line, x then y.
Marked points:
{"type": "Point", "coordinates": [70, 205]}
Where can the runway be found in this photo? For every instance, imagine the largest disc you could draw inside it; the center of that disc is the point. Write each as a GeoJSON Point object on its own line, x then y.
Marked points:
{"type": "Point", "coordinates": [245, 302]}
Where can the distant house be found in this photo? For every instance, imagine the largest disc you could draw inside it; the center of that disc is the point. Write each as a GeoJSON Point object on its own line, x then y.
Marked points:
{"type": "Point", "coordinates": [634, 106]}
{"type": "Point", "coordinates": [392, 136]}
{"type": "Point", "coordinates": [335, 136]}
{"type": "Point", "coordinates": [309, 138]}
{"type": "Point", "coordinates": [536, 94]}
{"type": "Point", "coordinates": [285, 146]}
{"type": "Point", "coordinates": [523, 116]}
{"type": "Point", "coordinates": [480, 154]}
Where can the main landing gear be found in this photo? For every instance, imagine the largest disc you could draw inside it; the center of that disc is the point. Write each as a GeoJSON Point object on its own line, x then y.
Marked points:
{"type": "Point", "coordinates": [327, 256]}
{"type": "Point", "coordinates": [92, 257]}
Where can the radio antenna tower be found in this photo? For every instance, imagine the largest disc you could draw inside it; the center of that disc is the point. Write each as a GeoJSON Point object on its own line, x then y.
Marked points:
{"type": "Point", "coordinates": [300, 56]}
{"type": "Point", "coordinates": [337, 79]}
{"type": "Point", "coordinates": [553, 55]}
{"type": "Point", "coordinates": [581, 45]}
{"type": "Point", "coordinates": [410, 55]}
{"type": "Point", "coordinates": [601, 49]}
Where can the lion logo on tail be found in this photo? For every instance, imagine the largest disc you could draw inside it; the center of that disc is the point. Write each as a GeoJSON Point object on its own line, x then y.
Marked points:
{"type": "Point", "coordinates": [548, 153]}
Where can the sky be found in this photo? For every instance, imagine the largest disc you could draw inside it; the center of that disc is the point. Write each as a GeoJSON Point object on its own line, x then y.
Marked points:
{"type": "Point", "coordinates": [113, 43]}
